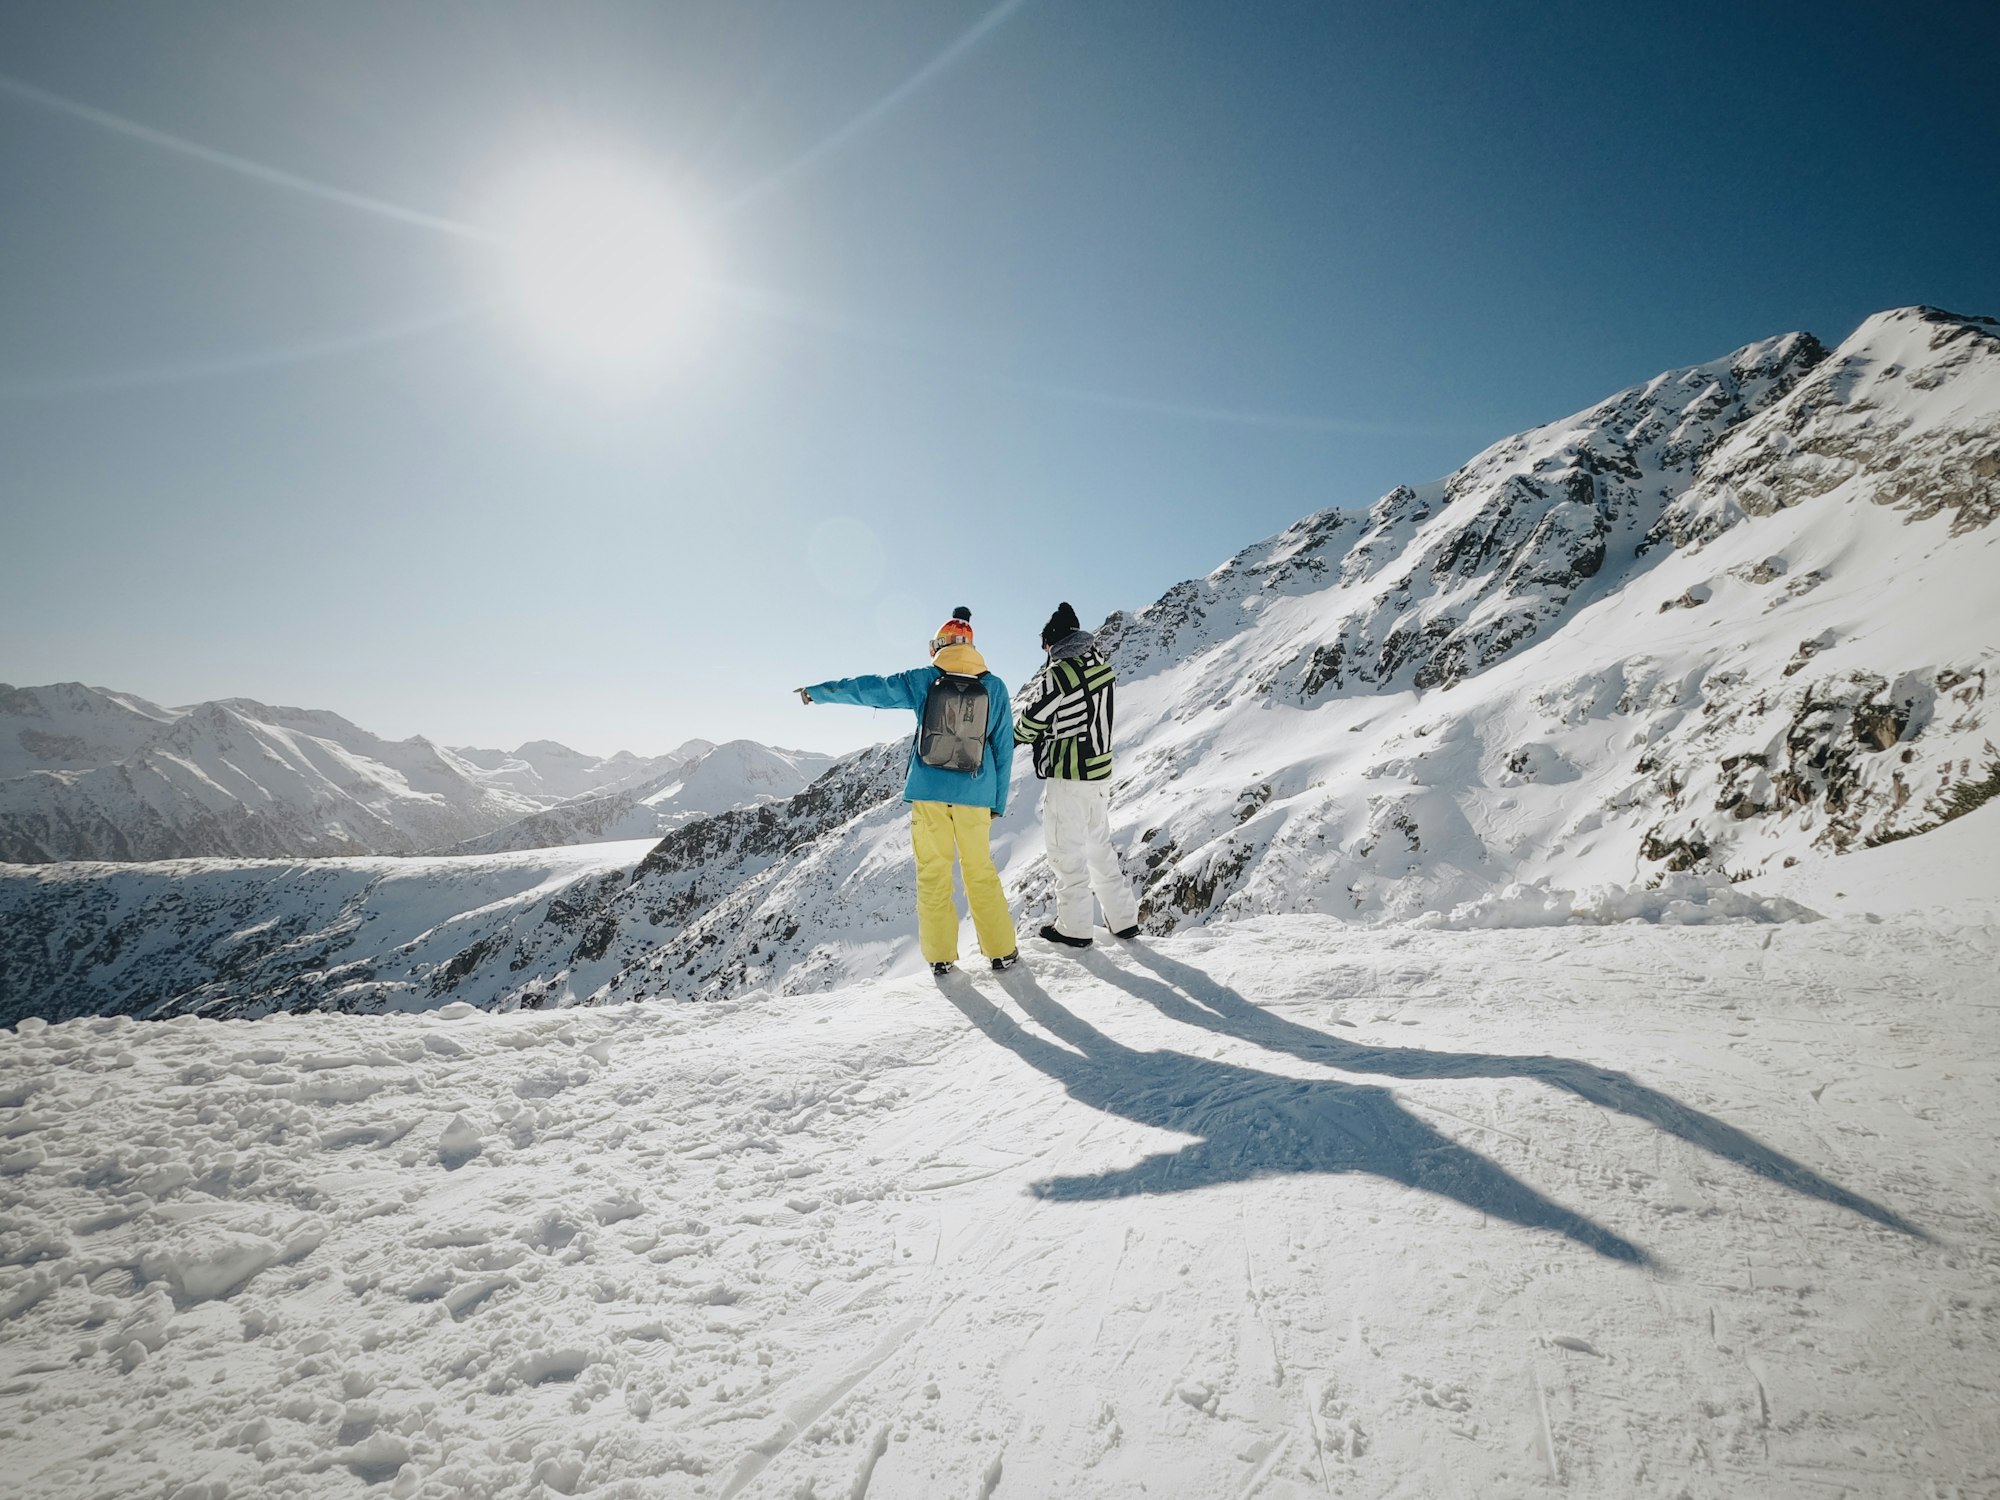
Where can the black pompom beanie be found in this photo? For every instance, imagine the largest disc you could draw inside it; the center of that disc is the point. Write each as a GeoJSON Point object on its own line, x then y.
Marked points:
{"type": "Point", "coordinates": [1063, 622]}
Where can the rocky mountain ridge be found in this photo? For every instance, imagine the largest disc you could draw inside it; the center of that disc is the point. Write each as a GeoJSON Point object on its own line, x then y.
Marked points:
{"type": "Point", "coordinates": [1734, 618]}
{"type": "Point", "coordinates": [87, 773]}
{"type": "Point", "coordinates": [713, 779]}
{"type": "Point", "coordinates": [549, 772]}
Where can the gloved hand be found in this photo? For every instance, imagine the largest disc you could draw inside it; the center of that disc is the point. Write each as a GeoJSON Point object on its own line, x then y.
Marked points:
{"type": "Point", "coordinates": [804, 696]}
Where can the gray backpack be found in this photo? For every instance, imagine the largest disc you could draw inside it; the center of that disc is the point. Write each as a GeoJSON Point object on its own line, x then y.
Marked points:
{"type": "Point", "coordinates": [953, 736]}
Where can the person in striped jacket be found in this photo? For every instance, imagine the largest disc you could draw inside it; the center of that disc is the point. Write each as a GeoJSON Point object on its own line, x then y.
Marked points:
{"type": "Point", "coordinates": [1065, 716]}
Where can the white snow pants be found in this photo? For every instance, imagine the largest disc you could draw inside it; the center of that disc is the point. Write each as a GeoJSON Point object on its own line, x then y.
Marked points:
{"type": "Point", "coordinates": [1076, 826]}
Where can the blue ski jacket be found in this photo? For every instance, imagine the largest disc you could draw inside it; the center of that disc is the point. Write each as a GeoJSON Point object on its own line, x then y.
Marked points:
{"type": "Point", "coordinates": [986, 788]}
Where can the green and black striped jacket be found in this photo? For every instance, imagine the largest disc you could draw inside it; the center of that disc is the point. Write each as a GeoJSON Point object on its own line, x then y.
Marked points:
{"type": "Point", "coordinates": [1065, 713]}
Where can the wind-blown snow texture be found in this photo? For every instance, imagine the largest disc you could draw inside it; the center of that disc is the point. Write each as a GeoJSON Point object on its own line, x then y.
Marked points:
{"type": "Point", "coordinates": [1733, 619]}
{"type": "Point", "coordinates": [1282, 1207]}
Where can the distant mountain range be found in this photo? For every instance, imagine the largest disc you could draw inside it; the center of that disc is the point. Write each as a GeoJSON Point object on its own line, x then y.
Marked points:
{"type": "Point", "coordinates": [91, 774]}
{"type": "Point", "coordinates": [1734, 618]}
{"type": "Point", "coordinates": [712, 780]}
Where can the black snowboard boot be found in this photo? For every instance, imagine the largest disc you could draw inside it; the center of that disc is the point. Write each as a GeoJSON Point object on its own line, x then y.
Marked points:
{"type": "Point", "coordinates": [1126, 932]}
{"type": "Point", "coordinates": [1053, 934]}
{"type": "Point", "coordinates": [1006, 961]}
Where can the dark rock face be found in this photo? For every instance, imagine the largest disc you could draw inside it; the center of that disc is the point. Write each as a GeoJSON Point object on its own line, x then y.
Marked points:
{"type": "Point", "coordinates": [244, 940]}
{"type": "Point", "coordinates": [1688, 851]}
{"type": "Point", "coordinates": [1877, 726]}
{"type": "Point", "coordinates": [1862, 423]}
{"type": "Point", "coordinates": [1183, 892]}
{"type": "Point", "coordinates": [1827, 763]}
{"type": "Point", "coordinates": [107, 941]}
{"type": "Point", "coordinates": [1468, 573]}
{"type": "Point", "coordinates": [698, 881]}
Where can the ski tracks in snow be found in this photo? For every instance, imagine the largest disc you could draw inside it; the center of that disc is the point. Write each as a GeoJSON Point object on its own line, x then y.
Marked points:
{"type": "Point", "coordinates": [1110, 1230]}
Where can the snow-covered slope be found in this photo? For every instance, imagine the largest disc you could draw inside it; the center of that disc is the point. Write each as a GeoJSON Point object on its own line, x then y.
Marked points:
{"type": "Point", "coordinates": [1734, 619]}
{"type": "Point", "coordinates": [235, 938]}
{"type": "Point", "coordinates": [548, 772]}
{"type": "Point", "coordinates": [90, 774]}
{"type": "Point", "coordinates": [69, 727]}
{"type": "Point", "coordinates": [123, 779]}
{"type": "Point", "coordinates": [1284, 1207]}
{"type": "Point", "coordinates": [1805, 673]}
{"type": "Point", "coordinates": [1712, 626]}
{"type": "Point", "coordinates": [741, 773]}
{"type": "Point", "coordinates": [242, 938]}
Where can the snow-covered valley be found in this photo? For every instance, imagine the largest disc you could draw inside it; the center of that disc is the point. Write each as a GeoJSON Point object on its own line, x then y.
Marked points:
{"type": "Point", "coordinates": [1286, 1207]}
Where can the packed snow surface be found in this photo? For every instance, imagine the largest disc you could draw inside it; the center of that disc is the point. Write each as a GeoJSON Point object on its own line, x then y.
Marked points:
{"type": "Point", "coordinates": [1284, 1206]}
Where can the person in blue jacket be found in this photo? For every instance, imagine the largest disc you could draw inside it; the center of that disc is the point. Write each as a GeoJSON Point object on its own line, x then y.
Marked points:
{"type": "Point", "coordinates": [951, 811]}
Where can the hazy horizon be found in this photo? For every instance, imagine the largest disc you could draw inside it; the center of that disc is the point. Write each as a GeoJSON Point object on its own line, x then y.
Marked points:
{"type": "Point", "coordinates": [599, 373]}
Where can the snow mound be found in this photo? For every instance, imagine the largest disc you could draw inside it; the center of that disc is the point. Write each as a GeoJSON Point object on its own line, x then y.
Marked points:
{"type": "Point", "coordinates": [1678, 901]}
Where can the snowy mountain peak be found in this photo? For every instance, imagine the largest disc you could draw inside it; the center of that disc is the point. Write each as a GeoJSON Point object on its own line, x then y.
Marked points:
{"type": "Point", "coordinates": [740, 774]}
{"type": "Point", "coordinates": [86, 773]}
{"type": "Point", "coordinates": [553, 750]}
{"type": "Point", "coordinates": [548, 772]}
{"type": "Point", "coordinates": [67, 726]}
{"type": "Point", "coordinates": [1445, 579]}
{"type": "Point", "coordinates": [1900, 413]}
{"type": "Point", "coordinates": [1511, 676]}
{"type": "Point", "coordinates": [1732, 620]}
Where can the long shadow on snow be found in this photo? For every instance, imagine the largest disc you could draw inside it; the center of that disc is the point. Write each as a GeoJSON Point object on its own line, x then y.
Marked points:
{"type": "Point", "coordinates": [1188, 995]}
{"type": "Point", "coordinates": [1253, 1124]}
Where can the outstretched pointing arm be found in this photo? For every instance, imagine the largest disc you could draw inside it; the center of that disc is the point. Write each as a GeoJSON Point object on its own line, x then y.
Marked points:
{"type": "Point", "coordinates": [900, 691]}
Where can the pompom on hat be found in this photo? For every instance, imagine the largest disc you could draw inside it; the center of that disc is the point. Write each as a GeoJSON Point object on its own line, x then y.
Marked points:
{"type": "Point", "coordinates": [957, 631]}
{"type": "Point", "coordinates": [1062, 623]}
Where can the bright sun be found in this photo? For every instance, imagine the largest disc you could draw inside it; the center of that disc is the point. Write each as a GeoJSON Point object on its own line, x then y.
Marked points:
{"type": "Point", "coordinates": [599, 263]}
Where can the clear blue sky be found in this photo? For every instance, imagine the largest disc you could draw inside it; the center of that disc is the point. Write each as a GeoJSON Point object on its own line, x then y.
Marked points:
{"type": "Point", "coordinates": [1120, 287]}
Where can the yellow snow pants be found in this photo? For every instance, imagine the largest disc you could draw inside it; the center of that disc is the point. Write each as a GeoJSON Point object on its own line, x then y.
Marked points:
{"type": "Point", "coordinates": [937, 829]}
